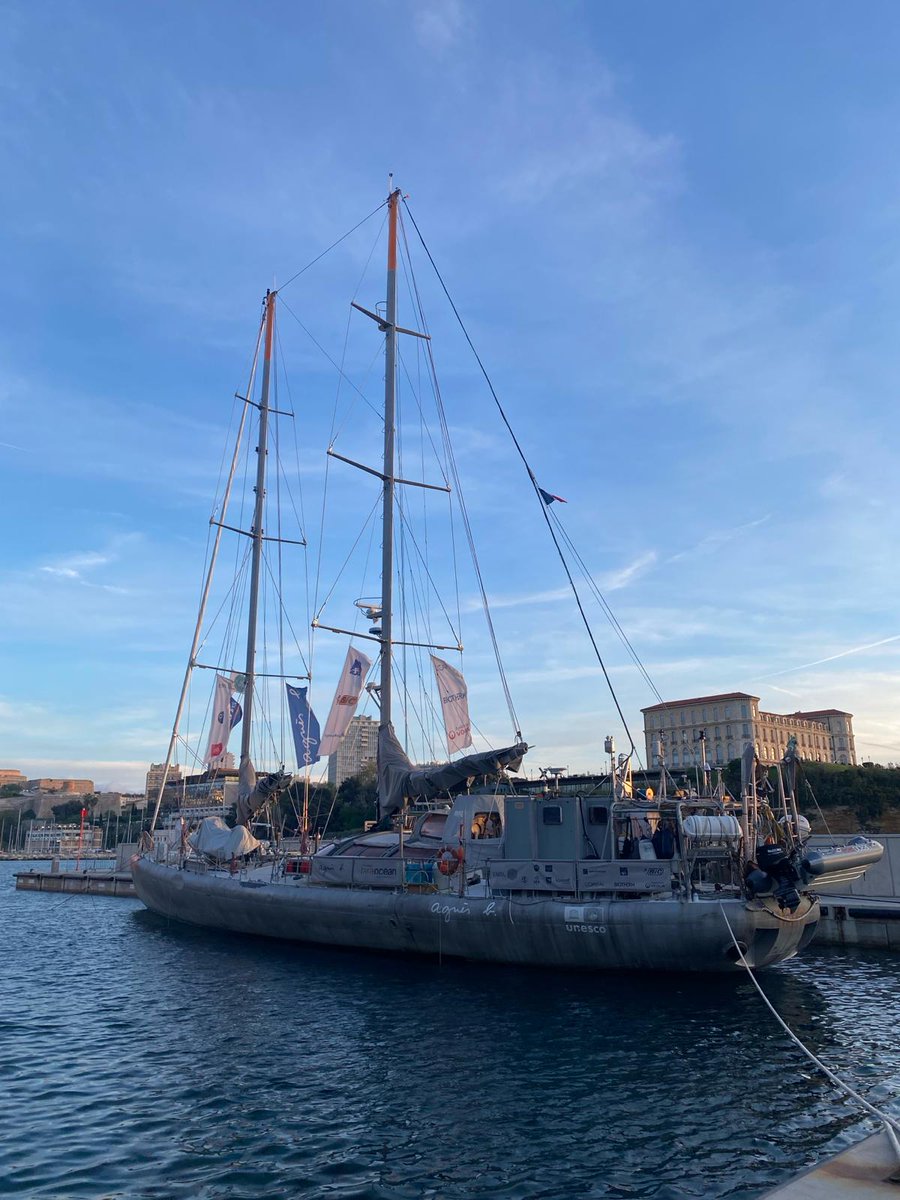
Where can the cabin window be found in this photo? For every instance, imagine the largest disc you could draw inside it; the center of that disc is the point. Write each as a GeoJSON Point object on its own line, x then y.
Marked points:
{"type": "Point", "coordinates": [598, 815]}
{"type": "Point", "coordinates": [486, 825]}
{"type": "Point", "coordinates": [553, 814]}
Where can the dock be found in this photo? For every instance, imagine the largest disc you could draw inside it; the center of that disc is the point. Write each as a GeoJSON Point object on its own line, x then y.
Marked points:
{"type": "Point", "coordinates": [867, 913]}
{"type": "Point", "coordinates": [870, 923]}
{"type": "Point", "coordinates": [868, 1170]}
{"type": "Point", "coordinates": [91, 880]}
{"type": "Point", "coordinates": [92, 883]}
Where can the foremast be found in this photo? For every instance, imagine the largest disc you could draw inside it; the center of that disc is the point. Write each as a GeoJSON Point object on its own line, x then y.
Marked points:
{"type": "Point", "coordinates": [253, 793]}
{"type": "Point", "coordinates": [256, 534]}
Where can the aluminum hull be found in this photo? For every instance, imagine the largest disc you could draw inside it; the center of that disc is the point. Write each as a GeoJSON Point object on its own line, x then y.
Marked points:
{"type": "Point", "coordinates": [661, 935]}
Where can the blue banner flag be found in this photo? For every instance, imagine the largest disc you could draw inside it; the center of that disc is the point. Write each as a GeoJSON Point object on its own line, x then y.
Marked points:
{"type": "Point", "coordinates": [304, 725]}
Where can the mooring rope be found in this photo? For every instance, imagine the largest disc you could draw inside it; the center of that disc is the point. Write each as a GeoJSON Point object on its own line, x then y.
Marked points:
{"type": "Point", "coordinates": [891, 1124]}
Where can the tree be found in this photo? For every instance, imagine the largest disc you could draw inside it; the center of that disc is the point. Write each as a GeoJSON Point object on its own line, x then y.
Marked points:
{"type": "Point", "coordinates": [70, 811]}
{"type": "Point", "coordinates": [866, 790]}
{"type": "Point", "coordinates": [356, 801]}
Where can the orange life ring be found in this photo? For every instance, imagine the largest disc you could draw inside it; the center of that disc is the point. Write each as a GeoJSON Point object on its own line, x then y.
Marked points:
{"type": "Point", "coordinates": [449, 859]}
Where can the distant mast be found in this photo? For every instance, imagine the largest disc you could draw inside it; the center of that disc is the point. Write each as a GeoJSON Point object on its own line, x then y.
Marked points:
{"type": "Point", "coordinates": [256, 533]}
{"type": "Point", "coordinates": [387, 548]}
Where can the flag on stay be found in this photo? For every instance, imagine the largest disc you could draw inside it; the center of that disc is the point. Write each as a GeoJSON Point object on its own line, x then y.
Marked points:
{"type": "Point", "coordinates": [304, 725]}
{"type": "Point", "coordinates": [226, 714]}
{"type": "Point", "coordinates": [454, 704]}
{"type": "Point", "coordinates": [548, 497]}
{"type": "Point", "coordinates": [343, 706]}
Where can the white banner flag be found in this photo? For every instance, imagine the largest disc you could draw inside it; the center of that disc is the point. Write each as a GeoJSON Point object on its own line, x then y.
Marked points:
{"type": "Point", "coordinates": [226, 714]}
{"type": "Point", "coordinates": [454, 703]}
{"type": "Point", "coordinates": [343, 706]}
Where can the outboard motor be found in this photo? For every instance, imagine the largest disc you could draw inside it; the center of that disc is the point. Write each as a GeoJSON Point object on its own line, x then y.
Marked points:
{"type": "Point", "coordinates": [775, 875]}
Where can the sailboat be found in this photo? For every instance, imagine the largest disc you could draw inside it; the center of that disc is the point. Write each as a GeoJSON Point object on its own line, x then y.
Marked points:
{"type": "Point", "coordinates": [465, 862]}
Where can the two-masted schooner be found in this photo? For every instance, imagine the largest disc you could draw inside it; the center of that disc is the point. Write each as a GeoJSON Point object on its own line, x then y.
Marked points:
{"type": "Point", "coordinates": [463, 861]}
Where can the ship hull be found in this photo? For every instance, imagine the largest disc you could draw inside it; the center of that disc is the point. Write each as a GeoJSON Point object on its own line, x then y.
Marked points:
{"type": "Point", "coordinates": [665, 935]}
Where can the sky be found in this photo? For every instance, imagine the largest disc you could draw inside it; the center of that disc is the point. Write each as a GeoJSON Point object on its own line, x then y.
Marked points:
{"type": "Point", "coordinates": [672, 232]}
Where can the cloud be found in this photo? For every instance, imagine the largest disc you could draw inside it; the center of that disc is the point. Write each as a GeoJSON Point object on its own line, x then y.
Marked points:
{"type": "Point", "coordinates": [519, 599]}
{"type": "Point", "coordinates": [623, 576]}
{"type": "Point", "coordinates": [714, 541]}
{"type": "Point", "coordinates": [831, 657]}
{"type": "Point", "coordinates": [438, 24]}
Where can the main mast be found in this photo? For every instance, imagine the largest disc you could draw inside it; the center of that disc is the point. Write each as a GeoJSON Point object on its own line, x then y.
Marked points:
{"type": "Point", "coordinates": [387, 545]}
{"type": "Point", "coordinates": [257, 535]}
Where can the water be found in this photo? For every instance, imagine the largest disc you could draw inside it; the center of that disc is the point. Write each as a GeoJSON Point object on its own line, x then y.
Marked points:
{"type": "Point", "coordinates": [142, 1059]}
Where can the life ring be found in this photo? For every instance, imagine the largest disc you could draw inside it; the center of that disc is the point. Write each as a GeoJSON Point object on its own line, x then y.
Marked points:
{"type": "Point", "coordinates": [449, 859]}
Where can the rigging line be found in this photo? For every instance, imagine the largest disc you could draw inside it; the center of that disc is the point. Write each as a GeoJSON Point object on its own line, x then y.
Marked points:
{"type": "Point", "coordinates": [301, 518]}
{"type": "Point", "coordinates": [404, 629]}
{"type": "Point", "coordinates": [342, 238]}
{"type": "Point", "coordinates": [531, 476]}
{"type": "Point", "coordinates": [337, 395]}
{"type": "Point", "coordinates": [337, 428]}
{"type": "Point", "coordinates": [424, 565]}
{"type": "Point", "coordinates": [427, 739]}
{"type": "Point", "coordinates": [366, 523]}
{"type": "Point", "coordinates": [424, 423]}
{"type": "Point", "coordinates": [279, 592]}
{"type": "Point", "coordinates": [213, 535]}
{"type": "Point", "coordinates": [225, 599]}
{"type": "Point", "coordinates": [319, 346]}
{"type": "Point", "coordinates": [890, 1123]}
{"type": "Point", "coordinates": [443, 466]}
{"type": "Point", "coordinates": [415, 303]}
{"type": "Point", "coordinates": [279, 543]}
{"type": "Point", "coordinates": [302, 514]}
{"type": "Point", "coordinates": [319, 551]}
{"type": "Point", "coordinates": [818, 806]}
{"type": "Point", "coordinates": [607, 609]}
{"type": "Point", "coordinates": [451, 459]}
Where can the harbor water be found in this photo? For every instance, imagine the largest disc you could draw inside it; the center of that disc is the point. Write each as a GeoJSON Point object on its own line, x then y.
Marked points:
{"type": "Point", "coordinates": [139, 1058]}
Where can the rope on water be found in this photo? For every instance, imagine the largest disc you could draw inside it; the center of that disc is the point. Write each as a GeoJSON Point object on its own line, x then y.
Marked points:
{"type": "Point", "coordinates": [891, 1124]}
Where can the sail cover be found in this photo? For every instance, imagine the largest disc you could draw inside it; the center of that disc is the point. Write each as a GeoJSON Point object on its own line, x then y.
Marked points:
{"type": "Point", "coordinates": [399, 780]}
{"type": "Point", "coordinates": [215, 839]}
{"type": "Point", "coordinates": [254, 791]}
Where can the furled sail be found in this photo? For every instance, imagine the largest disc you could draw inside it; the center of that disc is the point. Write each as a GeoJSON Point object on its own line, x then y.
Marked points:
{"type": "Point", "coordinates": [399, 780]}
{"type": "Point", "coordinates": [254, 791]}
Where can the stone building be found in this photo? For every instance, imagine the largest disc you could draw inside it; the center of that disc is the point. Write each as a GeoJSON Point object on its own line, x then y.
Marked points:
{"type": "Point", "coordinates": [359, 746]}
{"type": "Point", "coordinates": [155, 778]}
{"type": "Point", "coordinates": [68, 787]}
{"type": "Point", "coordinates": [730, 720]}
{"type": "Point", "coordinates": [9, 775]}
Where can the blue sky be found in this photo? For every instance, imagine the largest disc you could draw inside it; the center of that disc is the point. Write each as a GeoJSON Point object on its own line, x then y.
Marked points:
{"type": "Point", "coordinates": [672, 230]}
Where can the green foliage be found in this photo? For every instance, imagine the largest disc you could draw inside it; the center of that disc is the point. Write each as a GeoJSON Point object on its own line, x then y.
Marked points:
{"type": "Point", "coordinates": [290, 807]}
{"type": "Point", "coordinates": [356, 801]}
{"type": "Point", "coordinates": [10, 789]}
{"type": "Point", "coordinates": [868, 791]}
{"type": "Point", "coordinates": [70, 811]}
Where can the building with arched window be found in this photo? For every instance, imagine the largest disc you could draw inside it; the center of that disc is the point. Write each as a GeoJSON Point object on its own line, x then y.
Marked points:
{"type": "Point", "coordinates": [729, 721]}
